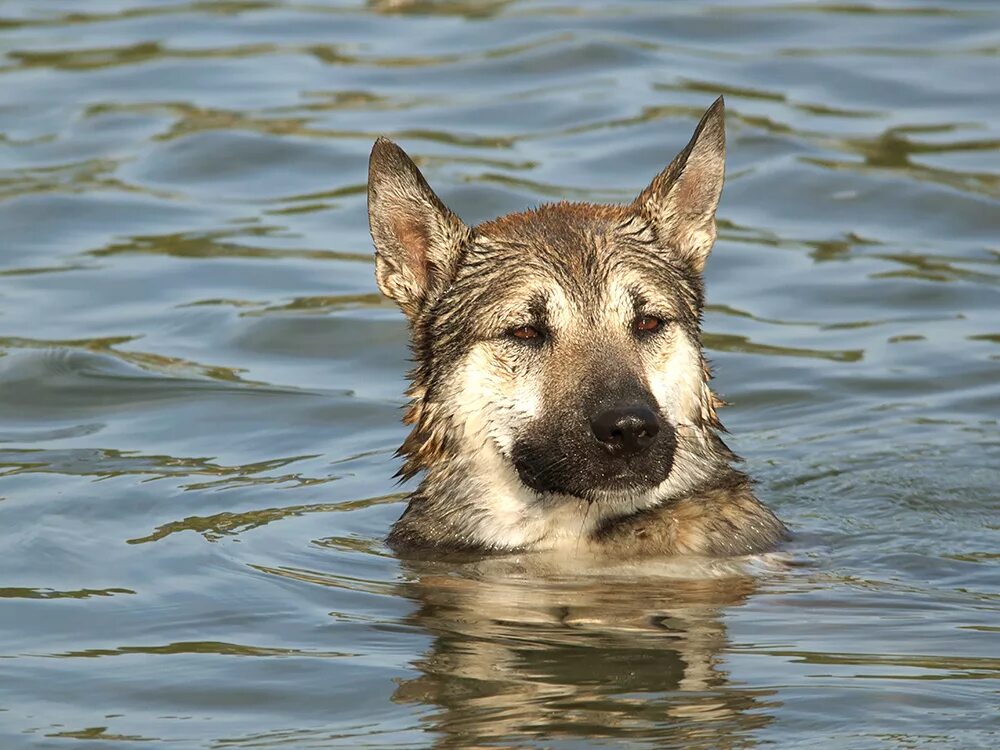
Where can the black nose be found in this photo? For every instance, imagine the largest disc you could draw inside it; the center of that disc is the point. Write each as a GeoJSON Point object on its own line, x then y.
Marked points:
{"type": "Point", "coordinates": [626, 429]}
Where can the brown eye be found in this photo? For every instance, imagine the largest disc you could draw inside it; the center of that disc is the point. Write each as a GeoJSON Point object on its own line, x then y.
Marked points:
{"type": "Point", "coordinates": [647, 324]}
{"type": "Point", "coordinates": [525, 333]}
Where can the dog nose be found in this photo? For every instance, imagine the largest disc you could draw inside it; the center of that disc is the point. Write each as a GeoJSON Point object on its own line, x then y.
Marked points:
{"type": "Point", "coordinates": [626, 429]}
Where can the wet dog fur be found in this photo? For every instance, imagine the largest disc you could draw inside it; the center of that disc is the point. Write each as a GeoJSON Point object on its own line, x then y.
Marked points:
{"type": "Point", "coordinates": [560, 398]}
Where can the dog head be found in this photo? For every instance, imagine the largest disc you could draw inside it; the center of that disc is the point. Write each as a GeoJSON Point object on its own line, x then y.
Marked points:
{"type": "Point", "coordinates": [560, 344]}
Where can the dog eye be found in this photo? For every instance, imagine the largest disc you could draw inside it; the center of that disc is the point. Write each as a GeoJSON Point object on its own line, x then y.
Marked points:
{"type": "Point", "coordinates": [525, 333]}
{"type": "Point", "coordinates": [647, 324]}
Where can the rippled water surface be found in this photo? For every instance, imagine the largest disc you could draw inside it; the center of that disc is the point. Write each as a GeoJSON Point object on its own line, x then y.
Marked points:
{"type": "Point", "coordinates": [200, 387]}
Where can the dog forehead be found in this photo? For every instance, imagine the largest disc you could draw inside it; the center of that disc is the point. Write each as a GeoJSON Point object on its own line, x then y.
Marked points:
{"type": "Point", "coordinates": [564, 231]}
{"type": "Point", "coordinates": [575, 258]}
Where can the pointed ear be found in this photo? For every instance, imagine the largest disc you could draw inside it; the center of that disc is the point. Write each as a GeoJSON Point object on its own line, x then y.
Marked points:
{"type": "Point", "coordinates": [680, 202]}
{"type": "Point", "coordinates": [417, 239]}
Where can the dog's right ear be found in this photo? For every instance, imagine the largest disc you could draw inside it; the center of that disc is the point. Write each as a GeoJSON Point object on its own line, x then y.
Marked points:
{"type": "Point", "coordinates": [417, 239]}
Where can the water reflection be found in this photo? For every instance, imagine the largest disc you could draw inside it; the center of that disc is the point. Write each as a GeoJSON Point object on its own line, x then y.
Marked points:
{"type": "Point", "coordinates": [518, 655]}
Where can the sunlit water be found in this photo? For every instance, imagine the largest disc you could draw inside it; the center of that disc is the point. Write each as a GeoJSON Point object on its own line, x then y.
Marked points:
{"type": "Point", "coordinates": [200, 388]}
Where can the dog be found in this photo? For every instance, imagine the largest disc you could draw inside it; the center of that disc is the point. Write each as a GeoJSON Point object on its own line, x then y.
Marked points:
{"type": "Point", "coordinates": [560, 399]}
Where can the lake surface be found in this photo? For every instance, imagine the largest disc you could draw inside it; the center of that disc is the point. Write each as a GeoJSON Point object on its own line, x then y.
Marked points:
{"type": "Point", "coordinates": [200, 387]}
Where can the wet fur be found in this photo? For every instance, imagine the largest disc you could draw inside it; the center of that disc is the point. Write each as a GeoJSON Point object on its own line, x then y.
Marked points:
{"type": "Point", "coordinates": [499, 430]}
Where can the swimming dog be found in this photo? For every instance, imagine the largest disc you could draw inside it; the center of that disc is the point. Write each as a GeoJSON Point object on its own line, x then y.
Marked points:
{"type": "Point", "coordinates": [561, 398]}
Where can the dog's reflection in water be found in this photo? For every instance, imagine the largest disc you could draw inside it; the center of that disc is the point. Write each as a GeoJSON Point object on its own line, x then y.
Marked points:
{"type": "Point", "coordinates": [522, 655]}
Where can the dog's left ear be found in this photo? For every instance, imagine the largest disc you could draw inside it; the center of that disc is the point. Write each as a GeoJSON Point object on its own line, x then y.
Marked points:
{"type": "Point", "coordinates": [681, 201]}
{"type": "Point", "coordinates": [418, 240]}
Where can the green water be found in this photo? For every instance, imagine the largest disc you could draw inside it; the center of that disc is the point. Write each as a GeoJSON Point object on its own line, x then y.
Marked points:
{"type": "Point", "coordinates": [200, 388]}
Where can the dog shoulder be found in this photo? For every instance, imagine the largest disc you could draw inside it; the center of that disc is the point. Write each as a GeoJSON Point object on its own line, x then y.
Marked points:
{"type": "Point", "coordinates": [435, 527]}
{"type": "Point", "coordinates": [726, 520]}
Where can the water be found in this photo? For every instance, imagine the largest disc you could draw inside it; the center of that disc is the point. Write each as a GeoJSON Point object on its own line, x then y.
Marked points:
{"type": "Point", "coordinates": [200, 389]}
